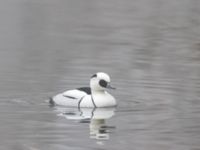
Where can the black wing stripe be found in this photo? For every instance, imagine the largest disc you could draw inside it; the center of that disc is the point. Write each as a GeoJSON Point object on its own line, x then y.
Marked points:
{"type": "Point", "coordinates": [69, 96]}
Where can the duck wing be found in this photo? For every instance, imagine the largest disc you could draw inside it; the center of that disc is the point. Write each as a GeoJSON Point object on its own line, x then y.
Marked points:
{"type": "Point", "coordinates": [70, 97]}
{"type": "Point", "coordinates": [85, 89]}
{"type": "Point", "coordinates": [77, 93]}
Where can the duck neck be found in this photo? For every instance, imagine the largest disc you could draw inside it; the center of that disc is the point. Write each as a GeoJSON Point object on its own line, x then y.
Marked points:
{"type": "Point", "coordinates": [97, 92]}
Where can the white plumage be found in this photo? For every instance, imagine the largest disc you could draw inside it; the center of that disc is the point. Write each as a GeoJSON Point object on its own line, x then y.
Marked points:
{"type": "Point", "coordinates": [93, 96]}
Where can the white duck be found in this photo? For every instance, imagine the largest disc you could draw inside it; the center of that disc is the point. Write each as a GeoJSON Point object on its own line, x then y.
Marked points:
{"type": "Point", "coordinates": [93, 96]}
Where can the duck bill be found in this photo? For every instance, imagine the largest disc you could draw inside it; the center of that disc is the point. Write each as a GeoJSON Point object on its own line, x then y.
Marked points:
{"type": "Point", "coordinates": [110, 87]}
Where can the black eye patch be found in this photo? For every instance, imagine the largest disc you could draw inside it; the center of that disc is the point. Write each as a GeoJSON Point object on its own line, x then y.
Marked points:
{"type": "Point", "coordinates": [103, 83]}
{"type": "Point", "coordinates": [94, 76]}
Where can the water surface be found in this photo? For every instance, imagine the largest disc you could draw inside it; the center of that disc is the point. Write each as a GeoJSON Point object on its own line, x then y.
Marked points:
{"type": "Point", "coordinates": [151, 49]}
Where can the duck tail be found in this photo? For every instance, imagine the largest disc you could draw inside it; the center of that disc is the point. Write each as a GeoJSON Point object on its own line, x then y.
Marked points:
{"type": "Point", "coordinates": [51, 101]}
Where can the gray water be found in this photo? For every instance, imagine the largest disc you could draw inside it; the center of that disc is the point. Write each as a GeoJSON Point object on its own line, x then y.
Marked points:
{"type": "Point", "coordinates": [150, 48]}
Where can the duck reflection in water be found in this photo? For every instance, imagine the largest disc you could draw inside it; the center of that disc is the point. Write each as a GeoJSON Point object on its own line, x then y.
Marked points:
{"type": "Point", "coordinates": [96, 117]}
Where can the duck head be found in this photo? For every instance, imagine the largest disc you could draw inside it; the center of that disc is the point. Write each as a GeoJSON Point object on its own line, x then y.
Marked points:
{"type": "Point", "coordinates": [100, 82]}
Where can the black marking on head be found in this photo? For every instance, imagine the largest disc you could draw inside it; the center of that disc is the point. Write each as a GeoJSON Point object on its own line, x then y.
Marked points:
{"type": "Point", "coordinates": [94, 76]}
{"type": "Point", "coordinates": [85, 89]}
{"type": "Point", "coordinates": [103, 83]}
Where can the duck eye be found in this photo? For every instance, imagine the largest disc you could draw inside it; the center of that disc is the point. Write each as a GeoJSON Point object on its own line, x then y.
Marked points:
{"type": "Point", "coordinates": [103, 83]}
{"type": "Point", "coordinates": [94, 76]}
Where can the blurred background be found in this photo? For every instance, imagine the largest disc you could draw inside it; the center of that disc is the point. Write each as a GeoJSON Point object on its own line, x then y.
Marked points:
{"type": "Point", "coordinates": [150, 48]}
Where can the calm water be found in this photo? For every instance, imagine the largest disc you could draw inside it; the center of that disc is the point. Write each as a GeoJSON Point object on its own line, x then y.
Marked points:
{"type": "Point", "coordinates": [151, 49]}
